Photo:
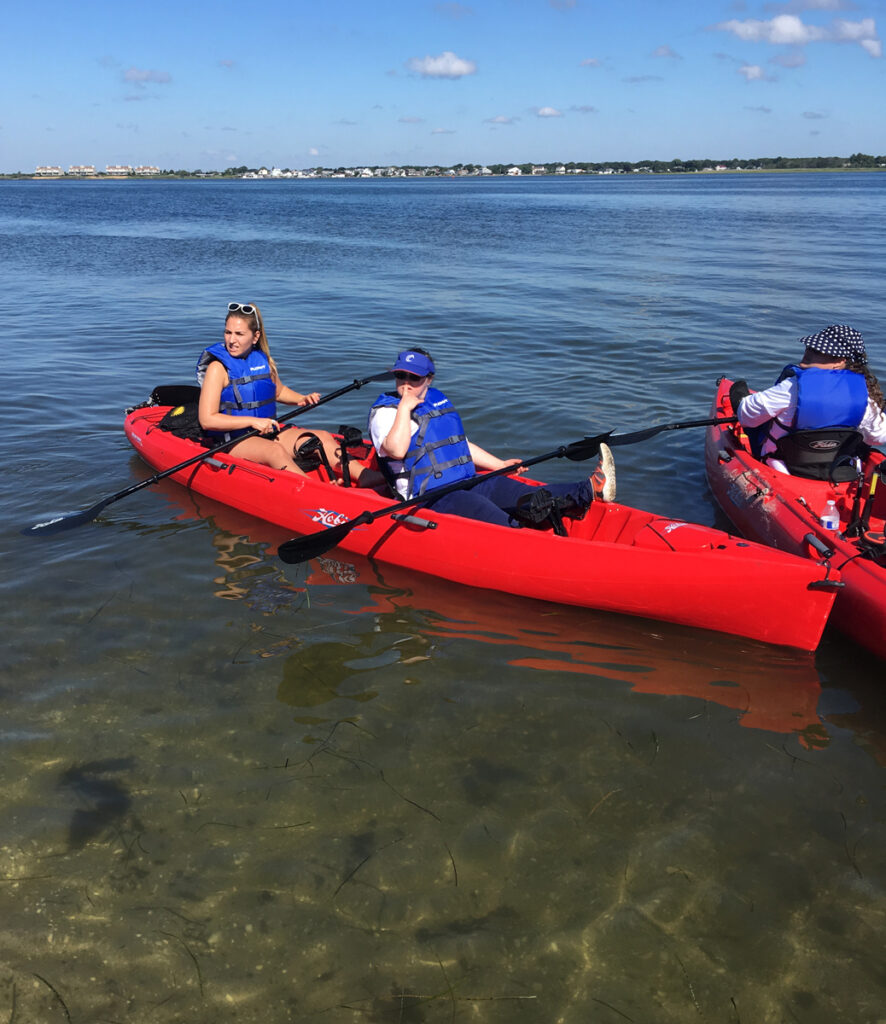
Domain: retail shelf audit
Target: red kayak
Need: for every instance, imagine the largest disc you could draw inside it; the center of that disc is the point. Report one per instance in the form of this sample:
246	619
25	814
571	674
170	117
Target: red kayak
784	511
616	559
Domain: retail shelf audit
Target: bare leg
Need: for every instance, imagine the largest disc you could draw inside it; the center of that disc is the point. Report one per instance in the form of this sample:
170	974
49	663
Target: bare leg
266	452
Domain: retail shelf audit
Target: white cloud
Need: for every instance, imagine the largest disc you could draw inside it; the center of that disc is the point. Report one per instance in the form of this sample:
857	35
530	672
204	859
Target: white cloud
442	131
789	30
590	62
548	112
501	119
446	65
313	151
752	72
666	51
785	29
141	77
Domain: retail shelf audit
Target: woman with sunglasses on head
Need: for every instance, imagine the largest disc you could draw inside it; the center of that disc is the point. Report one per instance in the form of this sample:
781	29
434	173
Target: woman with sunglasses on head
422	445
239	391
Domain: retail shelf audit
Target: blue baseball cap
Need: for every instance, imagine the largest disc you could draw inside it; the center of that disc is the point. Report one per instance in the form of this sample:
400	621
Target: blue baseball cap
410	361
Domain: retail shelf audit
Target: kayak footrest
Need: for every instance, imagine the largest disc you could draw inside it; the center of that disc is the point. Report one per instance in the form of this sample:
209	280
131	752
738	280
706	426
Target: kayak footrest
403	517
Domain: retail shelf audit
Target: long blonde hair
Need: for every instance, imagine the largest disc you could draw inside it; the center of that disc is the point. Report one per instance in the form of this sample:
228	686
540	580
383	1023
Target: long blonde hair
256	324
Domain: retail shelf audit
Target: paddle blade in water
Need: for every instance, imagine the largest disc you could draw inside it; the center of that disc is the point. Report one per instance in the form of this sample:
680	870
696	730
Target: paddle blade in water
303	549
65	522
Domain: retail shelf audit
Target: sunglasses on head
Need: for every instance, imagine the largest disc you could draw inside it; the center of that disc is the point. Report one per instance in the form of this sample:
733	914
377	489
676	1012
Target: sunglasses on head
407	378
239	307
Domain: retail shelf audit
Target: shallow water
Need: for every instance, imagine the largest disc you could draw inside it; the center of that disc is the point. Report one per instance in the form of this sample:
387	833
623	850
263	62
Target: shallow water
239	790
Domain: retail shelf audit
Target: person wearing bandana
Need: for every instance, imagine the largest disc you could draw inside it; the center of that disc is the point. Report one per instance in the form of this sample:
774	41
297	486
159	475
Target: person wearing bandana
831	388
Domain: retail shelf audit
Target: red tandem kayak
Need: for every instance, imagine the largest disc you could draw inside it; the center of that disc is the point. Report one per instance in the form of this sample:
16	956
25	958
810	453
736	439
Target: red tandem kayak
784	511
616	559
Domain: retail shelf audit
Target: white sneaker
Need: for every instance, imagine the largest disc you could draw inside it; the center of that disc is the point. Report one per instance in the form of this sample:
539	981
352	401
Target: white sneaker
603	477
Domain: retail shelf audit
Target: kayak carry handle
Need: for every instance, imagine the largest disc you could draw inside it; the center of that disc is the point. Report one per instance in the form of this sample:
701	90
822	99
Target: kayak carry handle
819	545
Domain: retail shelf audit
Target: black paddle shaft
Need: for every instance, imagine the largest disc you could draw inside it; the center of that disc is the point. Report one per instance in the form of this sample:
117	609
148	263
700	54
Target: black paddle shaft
614	440
69	520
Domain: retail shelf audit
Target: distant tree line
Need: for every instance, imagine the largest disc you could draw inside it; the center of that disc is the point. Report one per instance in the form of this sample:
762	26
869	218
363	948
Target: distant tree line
677	166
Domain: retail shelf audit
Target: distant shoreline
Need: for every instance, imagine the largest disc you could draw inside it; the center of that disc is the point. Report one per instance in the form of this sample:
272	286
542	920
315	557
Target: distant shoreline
437	176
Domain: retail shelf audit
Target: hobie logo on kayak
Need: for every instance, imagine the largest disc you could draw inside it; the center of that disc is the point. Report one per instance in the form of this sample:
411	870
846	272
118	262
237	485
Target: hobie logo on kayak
824	445
325	517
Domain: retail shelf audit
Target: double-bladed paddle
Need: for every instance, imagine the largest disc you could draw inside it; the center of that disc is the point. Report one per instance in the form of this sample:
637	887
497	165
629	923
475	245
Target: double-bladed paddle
71	519
301	549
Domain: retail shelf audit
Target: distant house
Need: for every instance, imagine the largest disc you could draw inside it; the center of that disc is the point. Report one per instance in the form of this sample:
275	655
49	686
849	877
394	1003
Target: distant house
539	169
367	172
118	170
46	171
561	169
514	172
145	170
485	171
81	170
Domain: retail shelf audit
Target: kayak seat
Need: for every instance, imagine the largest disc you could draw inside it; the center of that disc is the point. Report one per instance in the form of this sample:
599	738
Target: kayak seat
821	454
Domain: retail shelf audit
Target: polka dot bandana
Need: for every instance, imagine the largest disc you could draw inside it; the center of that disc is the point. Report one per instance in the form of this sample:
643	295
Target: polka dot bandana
838	341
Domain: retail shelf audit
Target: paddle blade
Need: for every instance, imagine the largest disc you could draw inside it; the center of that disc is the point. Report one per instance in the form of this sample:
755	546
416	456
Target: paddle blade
303	549
579	451
68	521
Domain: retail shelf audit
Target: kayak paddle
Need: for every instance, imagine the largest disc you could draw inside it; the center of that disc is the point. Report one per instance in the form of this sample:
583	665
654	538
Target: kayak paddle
71	519
301	549
642	435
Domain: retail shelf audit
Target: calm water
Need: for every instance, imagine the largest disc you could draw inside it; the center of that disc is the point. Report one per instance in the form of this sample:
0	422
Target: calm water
235	790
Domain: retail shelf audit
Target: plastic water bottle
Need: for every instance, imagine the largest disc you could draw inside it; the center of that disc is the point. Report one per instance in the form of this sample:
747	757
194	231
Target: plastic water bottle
830	518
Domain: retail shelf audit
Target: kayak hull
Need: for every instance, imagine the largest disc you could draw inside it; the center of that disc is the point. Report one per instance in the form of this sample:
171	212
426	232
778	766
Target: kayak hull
782	511
617	558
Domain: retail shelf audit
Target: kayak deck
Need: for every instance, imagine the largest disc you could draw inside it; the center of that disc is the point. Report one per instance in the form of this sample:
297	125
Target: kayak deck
616	558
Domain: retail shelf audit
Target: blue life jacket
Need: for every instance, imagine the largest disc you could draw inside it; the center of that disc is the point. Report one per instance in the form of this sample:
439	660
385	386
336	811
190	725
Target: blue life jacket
438	452
827	398
250	391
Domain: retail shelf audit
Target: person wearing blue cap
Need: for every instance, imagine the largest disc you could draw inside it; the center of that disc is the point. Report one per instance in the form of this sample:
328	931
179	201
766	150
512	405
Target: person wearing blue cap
831	388
421	445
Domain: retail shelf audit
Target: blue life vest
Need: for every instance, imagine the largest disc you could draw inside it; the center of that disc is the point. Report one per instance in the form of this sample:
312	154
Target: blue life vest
250	391
438	452
827	398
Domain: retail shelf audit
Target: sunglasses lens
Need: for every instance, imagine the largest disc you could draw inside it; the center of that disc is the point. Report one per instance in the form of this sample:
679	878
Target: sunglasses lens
238	307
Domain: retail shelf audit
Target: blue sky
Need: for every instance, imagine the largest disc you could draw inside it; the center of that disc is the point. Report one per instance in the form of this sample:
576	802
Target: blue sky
197	84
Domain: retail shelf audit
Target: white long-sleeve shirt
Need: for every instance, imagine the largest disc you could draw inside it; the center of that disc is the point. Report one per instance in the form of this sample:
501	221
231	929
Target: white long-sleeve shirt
779	403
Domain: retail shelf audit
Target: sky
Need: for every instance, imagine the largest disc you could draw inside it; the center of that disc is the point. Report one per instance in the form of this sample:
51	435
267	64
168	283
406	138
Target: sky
195	84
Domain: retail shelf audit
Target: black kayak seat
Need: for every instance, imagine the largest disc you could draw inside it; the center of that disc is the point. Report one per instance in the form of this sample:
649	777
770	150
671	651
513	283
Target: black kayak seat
823	454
